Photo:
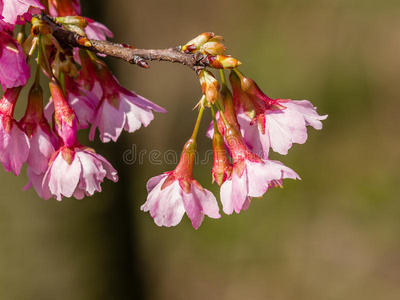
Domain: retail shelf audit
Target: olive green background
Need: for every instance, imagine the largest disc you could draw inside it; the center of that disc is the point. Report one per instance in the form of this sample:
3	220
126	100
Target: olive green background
333	235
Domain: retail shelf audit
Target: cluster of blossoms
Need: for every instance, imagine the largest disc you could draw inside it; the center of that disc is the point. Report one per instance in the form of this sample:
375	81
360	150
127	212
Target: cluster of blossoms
45	138
246	124
84	93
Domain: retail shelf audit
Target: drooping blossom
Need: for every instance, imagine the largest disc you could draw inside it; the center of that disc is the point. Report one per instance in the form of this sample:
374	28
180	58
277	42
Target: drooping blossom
119	109
266	122
176	192
14	144
41	138
16	11
76	171
251	175
14	70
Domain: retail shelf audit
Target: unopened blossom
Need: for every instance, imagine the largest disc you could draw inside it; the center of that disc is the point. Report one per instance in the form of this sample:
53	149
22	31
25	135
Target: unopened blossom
266	122
120	109
14	70
82	101
65	118
176	192
14	144
222	167
76	171
251	175
16	11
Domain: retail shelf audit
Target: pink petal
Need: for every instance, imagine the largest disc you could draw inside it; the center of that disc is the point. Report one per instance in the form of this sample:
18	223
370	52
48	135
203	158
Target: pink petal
257	142
207	201
258	181
239	190
226	197
16	152
111	173
97	31
308	111
92	173
36	181
135	114
40	152
13	9
62	178
110	122
165	206
14	70
285	128
83	107
151	184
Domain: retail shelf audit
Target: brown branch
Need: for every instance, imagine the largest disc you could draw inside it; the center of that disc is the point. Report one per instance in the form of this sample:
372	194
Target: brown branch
66	38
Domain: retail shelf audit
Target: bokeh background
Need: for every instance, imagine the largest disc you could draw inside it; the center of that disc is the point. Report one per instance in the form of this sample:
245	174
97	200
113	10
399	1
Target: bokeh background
333	235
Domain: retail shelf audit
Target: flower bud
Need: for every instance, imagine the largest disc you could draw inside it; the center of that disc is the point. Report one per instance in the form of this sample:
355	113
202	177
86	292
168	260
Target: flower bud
197	42
222	168
223	62
213	46
65	118
229	108
209	86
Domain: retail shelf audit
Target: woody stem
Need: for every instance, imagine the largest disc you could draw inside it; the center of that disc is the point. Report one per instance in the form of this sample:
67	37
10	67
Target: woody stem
195	61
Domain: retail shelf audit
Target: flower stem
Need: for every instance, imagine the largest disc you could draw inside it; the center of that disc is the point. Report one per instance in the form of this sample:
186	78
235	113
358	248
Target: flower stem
223	78
39	60
214	118
198	121
46	60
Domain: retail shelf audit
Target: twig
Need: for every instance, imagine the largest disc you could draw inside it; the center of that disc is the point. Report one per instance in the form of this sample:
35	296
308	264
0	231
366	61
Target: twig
195	61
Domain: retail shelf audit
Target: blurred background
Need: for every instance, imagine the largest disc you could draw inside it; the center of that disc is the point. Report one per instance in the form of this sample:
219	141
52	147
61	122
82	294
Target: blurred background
333	235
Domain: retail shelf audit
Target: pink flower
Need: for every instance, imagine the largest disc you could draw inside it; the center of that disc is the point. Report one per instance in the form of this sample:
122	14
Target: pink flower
41	138
14	70
76	171
174	193
14	144
265	122
65	118
36	127
251	176
97	31
120	109
15	11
